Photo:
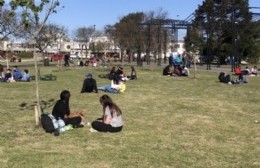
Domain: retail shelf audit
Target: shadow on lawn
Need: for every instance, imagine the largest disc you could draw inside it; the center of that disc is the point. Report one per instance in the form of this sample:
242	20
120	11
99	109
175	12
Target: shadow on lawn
44	105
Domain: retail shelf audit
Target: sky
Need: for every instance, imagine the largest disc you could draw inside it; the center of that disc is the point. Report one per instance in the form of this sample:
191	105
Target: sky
85	13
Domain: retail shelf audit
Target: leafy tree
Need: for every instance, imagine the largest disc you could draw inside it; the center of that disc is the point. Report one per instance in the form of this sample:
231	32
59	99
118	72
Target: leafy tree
253	48
128	33
223	24
138	32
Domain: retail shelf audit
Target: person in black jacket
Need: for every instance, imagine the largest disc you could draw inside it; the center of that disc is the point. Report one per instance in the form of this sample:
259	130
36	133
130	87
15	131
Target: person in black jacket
224	78
61	110
66	60
167	70
89	84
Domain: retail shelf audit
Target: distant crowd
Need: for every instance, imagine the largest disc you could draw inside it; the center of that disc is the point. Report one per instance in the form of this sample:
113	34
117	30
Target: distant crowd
240	76
14	75
178	65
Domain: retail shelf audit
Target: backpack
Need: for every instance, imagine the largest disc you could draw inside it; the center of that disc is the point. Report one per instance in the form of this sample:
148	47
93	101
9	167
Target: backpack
49	123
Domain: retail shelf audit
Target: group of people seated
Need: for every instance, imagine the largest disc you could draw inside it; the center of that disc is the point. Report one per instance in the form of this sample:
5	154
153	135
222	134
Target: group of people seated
117	78
173	70
223	78
119	71
253	72
110	121
241	76
89	62
14	75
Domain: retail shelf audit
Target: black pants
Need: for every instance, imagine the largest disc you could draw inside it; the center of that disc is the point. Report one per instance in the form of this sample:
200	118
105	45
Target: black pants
66	63
227	79
74	121
102	127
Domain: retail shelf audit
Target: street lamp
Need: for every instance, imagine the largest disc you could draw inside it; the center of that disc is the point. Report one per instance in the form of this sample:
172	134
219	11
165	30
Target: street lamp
93	35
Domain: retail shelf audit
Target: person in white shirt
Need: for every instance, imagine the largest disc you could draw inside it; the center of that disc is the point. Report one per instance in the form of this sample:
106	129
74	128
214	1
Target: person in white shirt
254	71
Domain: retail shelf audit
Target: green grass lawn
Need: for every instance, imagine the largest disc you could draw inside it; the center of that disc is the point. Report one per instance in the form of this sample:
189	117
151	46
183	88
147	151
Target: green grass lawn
169	122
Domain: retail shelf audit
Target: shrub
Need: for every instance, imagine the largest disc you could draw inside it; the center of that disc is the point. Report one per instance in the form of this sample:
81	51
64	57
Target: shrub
25	54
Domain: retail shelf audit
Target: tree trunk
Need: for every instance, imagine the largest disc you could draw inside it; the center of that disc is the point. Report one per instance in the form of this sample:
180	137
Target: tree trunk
195	67
38	106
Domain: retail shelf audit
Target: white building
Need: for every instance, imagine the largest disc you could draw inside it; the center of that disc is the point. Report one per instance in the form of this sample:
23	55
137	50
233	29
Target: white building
79	49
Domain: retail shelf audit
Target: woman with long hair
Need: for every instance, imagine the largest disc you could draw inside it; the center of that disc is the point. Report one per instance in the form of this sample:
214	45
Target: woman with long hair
112	117
61	110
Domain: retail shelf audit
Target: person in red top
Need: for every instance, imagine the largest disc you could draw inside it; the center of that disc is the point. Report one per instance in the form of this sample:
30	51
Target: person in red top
238	70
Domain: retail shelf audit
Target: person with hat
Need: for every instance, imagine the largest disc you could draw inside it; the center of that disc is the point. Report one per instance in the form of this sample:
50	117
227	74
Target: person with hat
89	84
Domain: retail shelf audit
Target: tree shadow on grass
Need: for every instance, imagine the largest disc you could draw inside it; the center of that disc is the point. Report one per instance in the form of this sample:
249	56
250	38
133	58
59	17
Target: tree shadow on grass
44	105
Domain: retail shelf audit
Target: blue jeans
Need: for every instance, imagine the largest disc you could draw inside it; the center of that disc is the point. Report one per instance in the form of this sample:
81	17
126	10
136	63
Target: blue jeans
107	88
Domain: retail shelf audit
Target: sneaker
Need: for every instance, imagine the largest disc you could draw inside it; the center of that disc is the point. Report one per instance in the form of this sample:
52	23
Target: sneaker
82	123
92	130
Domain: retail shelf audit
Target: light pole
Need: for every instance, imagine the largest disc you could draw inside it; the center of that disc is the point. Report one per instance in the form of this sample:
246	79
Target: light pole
93	35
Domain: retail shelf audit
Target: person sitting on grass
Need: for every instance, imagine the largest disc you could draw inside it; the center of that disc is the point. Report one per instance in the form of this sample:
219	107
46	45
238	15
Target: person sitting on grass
17	75
133	75
167	71
61	110
176	71
185	71
117	86
111	75
224	78
111	120
254	71
26	76
8	76
89	84
227	79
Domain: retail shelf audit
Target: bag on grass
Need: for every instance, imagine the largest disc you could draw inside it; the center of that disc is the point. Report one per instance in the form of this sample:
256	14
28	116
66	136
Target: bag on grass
49	123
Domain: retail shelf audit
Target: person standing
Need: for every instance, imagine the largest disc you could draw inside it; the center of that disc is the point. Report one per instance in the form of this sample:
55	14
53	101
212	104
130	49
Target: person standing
89	84
66	60
112	117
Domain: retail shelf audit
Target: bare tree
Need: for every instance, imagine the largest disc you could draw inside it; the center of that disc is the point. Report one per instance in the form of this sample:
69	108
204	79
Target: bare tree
35	13
83	35
9	24
9	27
